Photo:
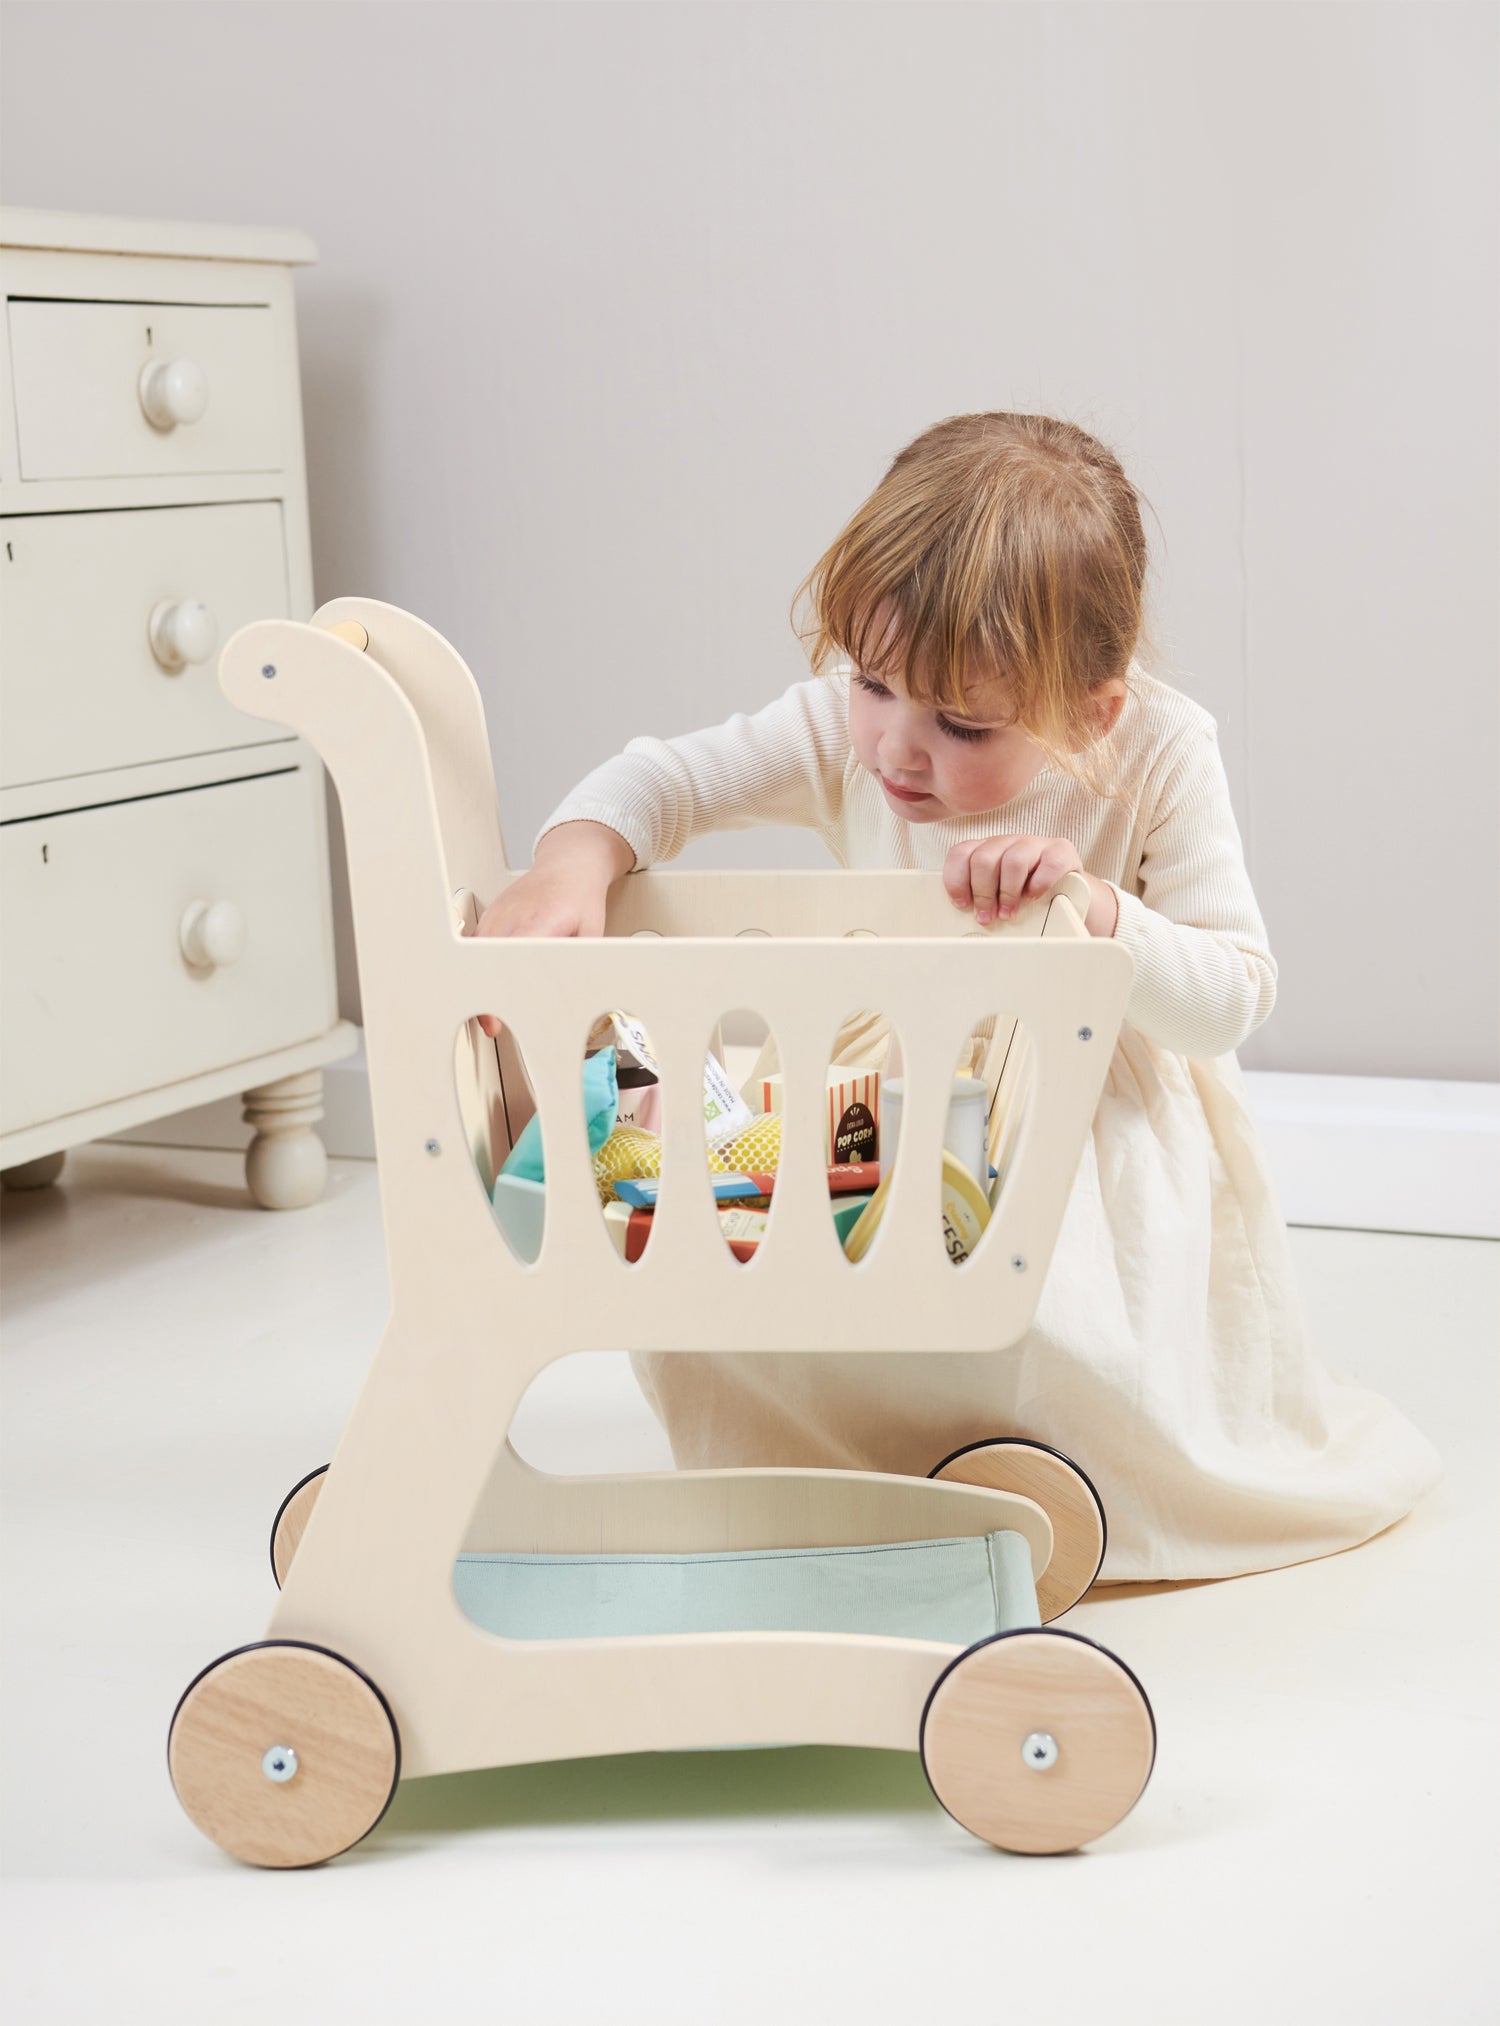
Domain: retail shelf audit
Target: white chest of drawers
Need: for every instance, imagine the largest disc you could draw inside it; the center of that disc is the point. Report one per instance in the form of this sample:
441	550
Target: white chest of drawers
165	918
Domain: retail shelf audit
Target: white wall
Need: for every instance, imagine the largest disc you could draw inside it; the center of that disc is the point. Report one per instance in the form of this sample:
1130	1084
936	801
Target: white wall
622	309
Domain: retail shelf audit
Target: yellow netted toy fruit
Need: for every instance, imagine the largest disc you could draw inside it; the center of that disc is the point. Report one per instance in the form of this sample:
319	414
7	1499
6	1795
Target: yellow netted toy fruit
631	1154
757	1150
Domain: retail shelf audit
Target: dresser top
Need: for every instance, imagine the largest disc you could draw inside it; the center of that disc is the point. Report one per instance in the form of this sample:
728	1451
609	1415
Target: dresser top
83	232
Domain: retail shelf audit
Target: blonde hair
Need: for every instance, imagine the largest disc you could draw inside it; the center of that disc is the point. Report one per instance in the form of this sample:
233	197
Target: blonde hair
996	546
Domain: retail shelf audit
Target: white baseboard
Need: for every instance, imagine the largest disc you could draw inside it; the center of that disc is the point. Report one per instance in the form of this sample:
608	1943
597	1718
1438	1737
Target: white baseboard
1375	1153
1359	1153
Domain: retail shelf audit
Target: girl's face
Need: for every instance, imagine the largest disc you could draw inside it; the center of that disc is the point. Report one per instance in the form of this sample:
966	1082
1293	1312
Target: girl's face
934	764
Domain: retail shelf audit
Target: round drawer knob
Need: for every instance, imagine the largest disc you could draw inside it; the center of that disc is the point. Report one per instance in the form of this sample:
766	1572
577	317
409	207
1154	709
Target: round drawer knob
181	632
173	391
211	933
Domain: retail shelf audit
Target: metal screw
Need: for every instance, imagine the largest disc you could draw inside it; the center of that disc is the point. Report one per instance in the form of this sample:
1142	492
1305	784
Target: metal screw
1040	1751
1018	1263
433	1147
279	1764
1085	1034
269	669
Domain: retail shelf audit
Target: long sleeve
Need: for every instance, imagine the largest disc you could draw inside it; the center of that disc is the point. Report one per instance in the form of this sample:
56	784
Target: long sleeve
1204	975
785	764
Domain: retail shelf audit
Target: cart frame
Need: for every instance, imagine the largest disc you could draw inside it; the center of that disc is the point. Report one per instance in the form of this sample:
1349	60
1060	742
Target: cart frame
423	1469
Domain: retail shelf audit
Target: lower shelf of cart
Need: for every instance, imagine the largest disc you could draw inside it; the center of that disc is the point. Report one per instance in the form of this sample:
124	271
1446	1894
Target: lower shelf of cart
955	1591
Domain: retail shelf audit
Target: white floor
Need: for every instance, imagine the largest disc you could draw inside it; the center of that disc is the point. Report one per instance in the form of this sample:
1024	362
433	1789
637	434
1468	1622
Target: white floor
1317	1843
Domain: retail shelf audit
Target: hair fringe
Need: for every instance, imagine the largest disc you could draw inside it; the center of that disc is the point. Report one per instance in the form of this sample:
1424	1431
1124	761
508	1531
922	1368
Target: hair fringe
996	547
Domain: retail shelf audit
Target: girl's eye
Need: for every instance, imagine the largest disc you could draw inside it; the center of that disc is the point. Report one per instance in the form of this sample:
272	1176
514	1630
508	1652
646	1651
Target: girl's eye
874	688
970	734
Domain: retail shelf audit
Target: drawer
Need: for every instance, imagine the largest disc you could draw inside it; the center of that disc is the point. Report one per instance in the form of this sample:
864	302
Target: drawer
79	404
98	1000
81	689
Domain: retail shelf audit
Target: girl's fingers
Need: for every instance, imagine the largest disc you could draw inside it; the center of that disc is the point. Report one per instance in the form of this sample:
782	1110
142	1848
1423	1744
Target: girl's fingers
998	873
956	875
1015	871
1051	863
986	875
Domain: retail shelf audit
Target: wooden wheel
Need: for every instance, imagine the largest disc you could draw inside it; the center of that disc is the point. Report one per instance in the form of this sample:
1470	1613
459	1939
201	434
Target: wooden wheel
284	1754
1037	1741
1060	1488
291	1520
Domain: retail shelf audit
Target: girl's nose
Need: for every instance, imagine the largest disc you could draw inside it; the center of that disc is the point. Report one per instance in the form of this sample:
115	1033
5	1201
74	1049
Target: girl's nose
901	750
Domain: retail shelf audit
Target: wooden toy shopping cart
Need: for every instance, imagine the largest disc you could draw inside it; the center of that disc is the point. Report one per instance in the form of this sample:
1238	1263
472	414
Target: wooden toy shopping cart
444	1605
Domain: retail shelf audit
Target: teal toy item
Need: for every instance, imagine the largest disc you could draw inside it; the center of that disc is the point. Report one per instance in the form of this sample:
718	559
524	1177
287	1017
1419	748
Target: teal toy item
601	1101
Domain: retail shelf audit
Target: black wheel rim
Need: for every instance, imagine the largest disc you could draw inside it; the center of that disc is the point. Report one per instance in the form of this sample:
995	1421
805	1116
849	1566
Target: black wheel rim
321	1471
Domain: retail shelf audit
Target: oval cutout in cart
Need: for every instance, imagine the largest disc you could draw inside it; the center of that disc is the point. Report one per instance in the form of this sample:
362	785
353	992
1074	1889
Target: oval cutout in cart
498	1108
629	1165
742	1139
619	1130
988	1096
496	1103
627	1156
861	1054
1002	1057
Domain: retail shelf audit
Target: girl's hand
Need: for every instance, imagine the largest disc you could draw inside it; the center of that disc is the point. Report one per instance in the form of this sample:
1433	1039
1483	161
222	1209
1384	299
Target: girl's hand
563	894
997	874
547	901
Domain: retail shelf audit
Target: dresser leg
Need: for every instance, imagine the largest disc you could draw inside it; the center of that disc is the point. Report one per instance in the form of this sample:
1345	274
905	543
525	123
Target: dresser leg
286	1165
37	1174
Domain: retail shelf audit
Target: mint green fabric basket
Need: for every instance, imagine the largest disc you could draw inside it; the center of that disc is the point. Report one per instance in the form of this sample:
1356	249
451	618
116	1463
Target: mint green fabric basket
953	1591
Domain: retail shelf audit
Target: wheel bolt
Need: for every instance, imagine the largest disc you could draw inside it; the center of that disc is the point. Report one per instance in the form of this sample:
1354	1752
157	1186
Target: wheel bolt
1040	1751
279	1764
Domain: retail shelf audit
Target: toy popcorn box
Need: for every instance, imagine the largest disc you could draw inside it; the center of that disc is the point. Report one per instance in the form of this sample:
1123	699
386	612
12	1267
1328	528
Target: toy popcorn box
851	1116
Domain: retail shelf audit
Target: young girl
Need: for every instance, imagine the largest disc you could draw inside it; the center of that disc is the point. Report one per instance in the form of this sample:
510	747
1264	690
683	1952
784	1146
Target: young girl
976	709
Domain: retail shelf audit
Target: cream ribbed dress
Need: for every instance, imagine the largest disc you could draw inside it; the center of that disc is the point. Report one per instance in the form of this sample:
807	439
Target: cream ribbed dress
1169	1353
